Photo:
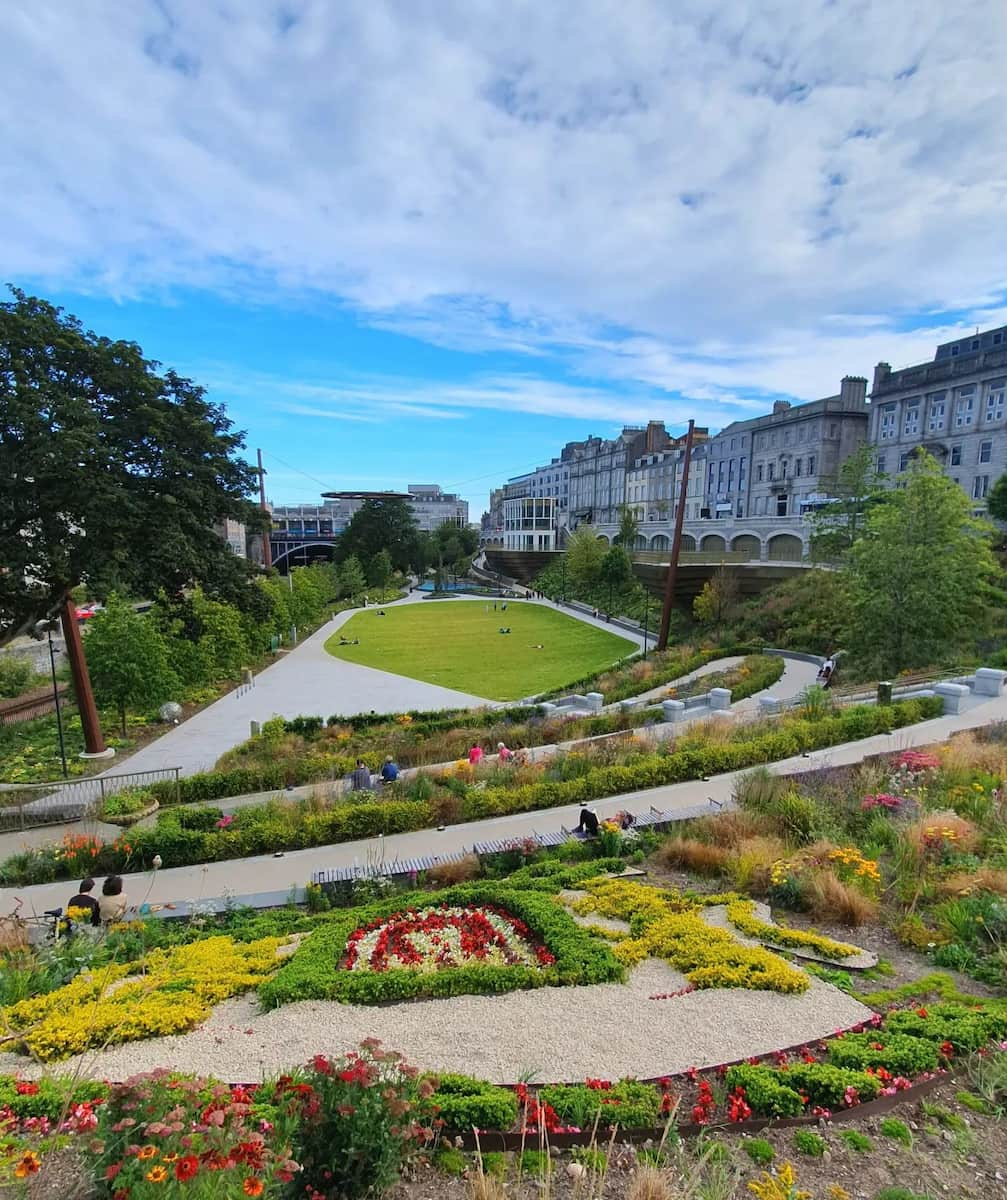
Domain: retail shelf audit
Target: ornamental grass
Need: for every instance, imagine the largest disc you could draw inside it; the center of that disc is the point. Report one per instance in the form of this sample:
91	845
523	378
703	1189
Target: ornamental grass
701	858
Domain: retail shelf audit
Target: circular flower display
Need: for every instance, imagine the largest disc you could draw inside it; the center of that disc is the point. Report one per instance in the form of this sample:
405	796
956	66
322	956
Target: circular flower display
436	939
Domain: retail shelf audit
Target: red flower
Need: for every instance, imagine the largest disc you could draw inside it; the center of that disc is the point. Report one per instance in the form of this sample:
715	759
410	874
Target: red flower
186	1167
25	1087
252	1186
112	1171
947	1050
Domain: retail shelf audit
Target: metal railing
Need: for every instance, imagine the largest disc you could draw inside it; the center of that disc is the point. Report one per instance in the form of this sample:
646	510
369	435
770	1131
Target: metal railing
29	805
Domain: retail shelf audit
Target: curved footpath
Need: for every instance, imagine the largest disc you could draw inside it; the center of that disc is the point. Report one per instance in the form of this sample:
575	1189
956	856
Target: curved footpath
253	876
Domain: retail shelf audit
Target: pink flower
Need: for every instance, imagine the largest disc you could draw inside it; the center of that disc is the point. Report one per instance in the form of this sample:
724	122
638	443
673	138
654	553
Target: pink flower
225	821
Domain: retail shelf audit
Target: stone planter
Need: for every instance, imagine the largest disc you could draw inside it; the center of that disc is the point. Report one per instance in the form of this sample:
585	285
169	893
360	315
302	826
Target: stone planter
128	819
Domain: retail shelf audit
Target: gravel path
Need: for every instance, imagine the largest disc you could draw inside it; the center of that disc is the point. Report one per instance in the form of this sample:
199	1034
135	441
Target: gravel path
550	1034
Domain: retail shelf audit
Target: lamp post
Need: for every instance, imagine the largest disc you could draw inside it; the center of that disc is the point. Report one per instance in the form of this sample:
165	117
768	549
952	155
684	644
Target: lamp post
47	625
646	614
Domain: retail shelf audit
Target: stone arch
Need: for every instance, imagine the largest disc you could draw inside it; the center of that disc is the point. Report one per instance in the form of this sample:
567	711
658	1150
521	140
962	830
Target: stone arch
747	543
640	542
661	541
713	543
688	542
785	547
300	554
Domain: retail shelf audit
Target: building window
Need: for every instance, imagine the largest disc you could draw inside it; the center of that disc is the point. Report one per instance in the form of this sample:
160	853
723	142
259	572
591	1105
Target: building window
912	423
997	338
758	473
772	472
964	404
904	460
994	401
879	464
781	505
811	464
956	455
833	430
985	451
937	407
980	487
888	422
797	467
975	344
955	351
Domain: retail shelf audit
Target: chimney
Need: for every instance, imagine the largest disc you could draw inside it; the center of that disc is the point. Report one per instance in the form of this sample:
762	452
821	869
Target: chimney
780	406
657	436
881	373
853	391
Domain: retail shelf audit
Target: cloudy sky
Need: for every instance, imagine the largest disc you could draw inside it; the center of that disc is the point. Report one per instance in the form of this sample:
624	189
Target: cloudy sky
431	240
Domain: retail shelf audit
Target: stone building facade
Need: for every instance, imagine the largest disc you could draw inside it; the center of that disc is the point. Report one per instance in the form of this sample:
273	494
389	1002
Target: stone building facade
955	407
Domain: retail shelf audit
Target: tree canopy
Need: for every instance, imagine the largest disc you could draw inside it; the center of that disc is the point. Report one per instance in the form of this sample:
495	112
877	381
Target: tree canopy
381	524
920	574
112	471
629	527
584	555
855	488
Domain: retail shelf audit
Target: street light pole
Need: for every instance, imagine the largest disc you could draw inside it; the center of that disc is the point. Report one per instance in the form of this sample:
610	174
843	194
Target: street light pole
646	614
55	700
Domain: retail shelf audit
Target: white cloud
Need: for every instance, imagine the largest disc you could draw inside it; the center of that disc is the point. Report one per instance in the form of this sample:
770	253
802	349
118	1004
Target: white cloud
709	199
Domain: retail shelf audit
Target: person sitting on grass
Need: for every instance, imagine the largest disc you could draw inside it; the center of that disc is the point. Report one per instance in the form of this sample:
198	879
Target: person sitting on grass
390	771
112	905
85	902
588	822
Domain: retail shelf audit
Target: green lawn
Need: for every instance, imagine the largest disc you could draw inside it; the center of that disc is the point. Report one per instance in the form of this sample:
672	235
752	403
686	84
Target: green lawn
457	644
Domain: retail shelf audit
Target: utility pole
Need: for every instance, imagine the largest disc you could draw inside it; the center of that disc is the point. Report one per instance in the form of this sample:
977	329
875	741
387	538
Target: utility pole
646	617
676	547
94	741
267	550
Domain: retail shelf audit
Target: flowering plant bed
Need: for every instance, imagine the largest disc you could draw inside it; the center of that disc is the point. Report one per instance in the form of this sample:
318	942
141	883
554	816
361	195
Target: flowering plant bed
437	939
476	938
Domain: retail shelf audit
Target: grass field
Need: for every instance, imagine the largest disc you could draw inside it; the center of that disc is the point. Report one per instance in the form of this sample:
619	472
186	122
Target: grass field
457	644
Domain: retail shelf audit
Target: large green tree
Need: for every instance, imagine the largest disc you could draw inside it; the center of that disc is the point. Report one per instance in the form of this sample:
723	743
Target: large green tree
381	524
920	575
714	604
584	555
128	660
855	489
112	471
629	527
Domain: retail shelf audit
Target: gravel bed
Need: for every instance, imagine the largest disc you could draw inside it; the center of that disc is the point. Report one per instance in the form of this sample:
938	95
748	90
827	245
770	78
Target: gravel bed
549	1034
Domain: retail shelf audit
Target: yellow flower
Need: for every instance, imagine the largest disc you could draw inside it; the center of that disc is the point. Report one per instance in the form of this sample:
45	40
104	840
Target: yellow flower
157	1174
147	1152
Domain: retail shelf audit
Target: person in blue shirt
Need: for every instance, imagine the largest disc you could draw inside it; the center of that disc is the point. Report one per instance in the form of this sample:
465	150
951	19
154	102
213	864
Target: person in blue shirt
390	771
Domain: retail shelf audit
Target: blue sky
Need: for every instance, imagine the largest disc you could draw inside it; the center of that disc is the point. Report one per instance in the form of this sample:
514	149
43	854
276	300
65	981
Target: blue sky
430	243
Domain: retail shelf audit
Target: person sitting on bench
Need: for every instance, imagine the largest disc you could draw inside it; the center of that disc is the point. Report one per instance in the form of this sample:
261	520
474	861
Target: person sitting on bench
588	822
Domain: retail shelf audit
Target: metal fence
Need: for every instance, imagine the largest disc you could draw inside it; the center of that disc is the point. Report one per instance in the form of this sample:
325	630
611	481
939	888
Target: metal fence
28	805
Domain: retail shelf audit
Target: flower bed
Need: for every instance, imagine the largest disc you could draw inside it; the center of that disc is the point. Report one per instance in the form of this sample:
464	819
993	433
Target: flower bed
438	939
175	992
512	940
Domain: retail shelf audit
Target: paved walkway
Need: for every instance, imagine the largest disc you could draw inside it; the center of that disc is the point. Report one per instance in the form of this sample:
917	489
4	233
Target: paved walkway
249	876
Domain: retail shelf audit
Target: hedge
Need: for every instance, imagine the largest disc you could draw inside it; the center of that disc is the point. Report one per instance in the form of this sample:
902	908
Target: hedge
312	972
899	1053
265	829
464	1102
627	1103
765	1090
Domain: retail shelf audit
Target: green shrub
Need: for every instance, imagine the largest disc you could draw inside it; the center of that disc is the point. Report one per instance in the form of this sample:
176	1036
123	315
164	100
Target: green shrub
900	1053
493	1162
898	1131
464	1102
966	1028
810	1143
533	1162
759	1151
53	1099
628	1104
200	819
354	1142
16	676
449	1160
826	1085
767	1091
856	1140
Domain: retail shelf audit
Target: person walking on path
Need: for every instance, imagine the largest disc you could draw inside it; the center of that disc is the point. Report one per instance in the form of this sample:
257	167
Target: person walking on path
475	754
503	754
390	771
360	779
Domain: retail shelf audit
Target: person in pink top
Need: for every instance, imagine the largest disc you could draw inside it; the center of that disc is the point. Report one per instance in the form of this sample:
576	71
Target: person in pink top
503	753
475	754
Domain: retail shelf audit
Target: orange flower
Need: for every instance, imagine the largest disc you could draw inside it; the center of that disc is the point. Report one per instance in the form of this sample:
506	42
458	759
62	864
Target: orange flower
252	1186
147	1152
157	1174
29	1164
